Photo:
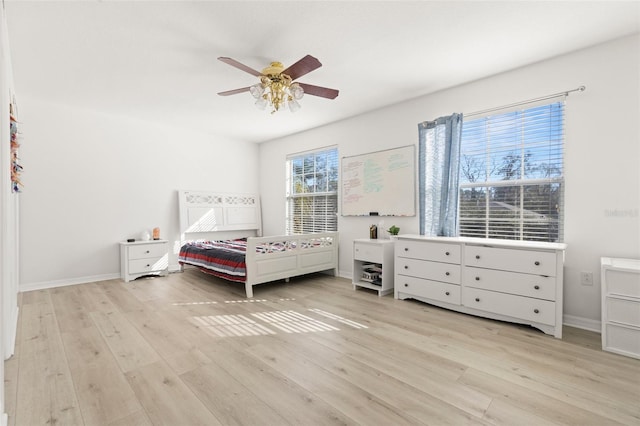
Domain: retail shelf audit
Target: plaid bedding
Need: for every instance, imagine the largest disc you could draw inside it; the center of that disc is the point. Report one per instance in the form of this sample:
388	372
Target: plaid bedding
224	259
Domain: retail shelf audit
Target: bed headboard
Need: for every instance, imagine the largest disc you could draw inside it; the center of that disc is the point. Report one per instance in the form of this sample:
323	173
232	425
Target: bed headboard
203	212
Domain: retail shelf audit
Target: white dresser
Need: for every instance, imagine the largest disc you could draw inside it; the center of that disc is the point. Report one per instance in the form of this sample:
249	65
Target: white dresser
620	283
516	281
142	258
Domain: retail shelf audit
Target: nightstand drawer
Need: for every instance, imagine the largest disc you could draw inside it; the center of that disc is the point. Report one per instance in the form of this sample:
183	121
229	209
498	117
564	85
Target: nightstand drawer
370	252
137	266
147	251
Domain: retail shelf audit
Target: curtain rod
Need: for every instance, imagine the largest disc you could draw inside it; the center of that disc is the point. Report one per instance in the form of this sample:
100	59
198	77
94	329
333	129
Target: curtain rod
543	98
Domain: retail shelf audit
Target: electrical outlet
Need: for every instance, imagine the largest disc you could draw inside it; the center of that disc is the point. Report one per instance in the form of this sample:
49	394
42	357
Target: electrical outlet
586	278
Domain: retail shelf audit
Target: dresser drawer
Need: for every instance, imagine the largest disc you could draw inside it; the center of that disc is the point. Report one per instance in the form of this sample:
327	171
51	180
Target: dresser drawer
525	261
625	283
538	286
623	311
526	308
412	286
425	250
622	339
137	266
446	272
147	251
370	252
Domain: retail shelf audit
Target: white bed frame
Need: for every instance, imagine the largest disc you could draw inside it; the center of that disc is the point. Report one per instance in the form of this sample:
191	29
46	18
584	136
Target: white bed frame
206	215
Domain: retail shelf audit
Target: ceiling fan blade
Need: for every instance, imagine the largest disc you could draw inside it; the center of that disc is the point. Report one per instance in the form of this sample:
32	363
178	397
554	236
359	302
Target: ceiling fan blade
323	92
234	91
302	67
240	66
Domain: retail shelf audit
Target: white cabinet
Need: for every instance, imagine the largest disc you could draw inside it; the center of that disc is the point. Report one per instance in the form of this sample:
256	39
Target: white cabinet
506	280
620	282
141	258
373	265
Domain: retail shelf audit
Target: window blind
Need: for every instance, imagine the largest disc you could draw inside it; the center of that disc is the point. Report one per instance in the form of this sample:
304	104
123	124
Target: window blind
511	175
312	192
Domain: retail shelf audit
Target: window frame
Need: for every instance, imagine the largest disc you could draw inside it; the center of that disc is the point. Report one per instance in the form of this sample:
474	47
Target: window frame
490	183
327	197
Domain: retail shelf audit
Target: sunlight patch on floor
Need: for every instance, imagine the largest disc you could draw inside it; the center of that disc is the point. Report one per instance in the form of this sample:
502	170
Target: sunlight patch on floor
338	318
266	323
293	322
229	302
230	325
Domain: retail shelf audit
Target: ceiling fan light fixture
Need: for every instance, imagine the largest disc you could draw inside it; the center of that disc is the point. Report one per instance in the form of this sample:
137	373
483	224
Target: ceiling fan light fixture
256	90
296	91
277	88
261	103
294	105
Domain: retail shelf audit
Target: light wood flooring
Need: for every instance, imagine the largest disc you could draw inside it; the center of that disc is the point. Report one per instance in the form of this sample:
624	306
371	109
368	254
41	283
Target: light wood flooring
189	349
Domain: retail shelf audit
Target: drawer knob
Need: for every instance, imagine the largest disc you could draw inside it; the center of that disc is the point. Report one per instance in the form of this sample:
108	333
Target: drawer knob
477	256
537	311
477	278
446	253
536	263
406	267
406	285
148	265
147	252
537	287
446	293
406	249
477	299
447	274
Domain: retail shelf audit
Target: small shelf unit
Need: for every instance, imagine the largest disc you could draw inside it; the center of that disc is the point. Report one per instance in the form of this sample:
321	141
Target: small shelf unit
373	265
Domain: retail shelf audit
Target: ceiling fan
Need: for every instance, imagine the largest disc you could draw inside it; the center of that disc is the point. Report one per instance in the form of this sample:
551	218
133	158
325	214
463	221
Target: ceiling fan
277	86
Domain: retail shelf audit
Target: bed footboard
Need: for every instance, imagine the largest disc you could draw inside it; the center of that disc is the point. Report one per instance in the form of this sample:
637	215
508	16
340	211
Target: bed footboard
284	256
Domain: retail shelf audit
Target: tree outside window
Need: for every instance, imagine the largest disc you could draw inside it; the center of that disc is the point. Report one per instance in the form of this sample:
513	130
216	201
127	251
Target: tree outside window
312	192
511	175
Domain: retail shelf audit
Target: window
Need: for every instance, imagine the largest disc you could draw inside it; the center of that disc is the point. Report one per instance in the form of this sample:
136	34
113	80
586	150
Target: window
312	192
511	175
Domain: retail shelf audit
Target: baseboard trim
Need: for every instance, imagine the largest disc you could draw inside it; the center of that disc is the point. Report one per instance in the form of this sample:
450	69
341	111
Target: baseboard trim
44	285
10	341
582	323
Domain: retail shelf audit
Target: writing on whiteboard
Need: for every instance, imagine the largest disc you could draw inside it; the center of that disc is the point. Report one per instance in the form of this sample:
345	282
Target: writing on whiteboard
380	181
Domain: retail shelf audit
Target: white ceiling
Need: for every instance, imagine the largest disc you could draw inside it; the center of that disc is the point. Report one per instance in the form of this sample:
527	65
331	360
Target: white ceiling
156	60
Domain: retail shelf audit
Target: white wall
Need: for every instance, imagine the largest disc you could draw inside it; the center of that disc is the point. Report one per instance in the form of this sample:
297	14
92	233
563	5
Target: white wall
92	180
8	218
602	164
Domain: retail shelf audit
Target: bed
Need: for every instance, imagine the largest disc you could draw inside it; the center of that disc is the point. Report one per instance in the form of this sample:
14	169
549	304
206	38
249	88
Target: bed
221	235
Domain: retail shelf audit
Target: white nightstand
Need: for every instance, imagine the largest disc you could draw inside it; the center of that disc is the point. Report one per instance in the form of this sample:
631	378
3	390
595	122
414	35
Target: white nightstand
373	265
141	258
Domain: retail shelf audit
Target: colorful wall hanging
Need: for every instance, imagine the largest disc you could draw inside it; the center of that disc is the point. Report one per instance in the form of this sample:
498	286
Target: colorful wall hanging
16	168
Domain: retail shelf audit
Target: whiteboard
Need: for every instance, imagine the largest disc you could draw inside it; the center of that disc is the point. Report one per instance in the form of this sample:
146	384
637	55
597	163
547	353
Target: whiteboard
381	183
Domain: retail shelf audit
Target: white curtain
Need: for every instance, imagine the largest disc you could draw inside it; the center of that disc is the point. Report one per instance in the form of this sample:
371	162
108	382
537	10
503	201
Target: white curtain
439	160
